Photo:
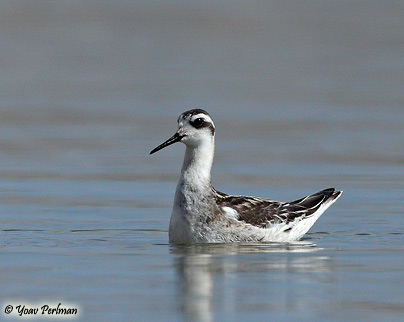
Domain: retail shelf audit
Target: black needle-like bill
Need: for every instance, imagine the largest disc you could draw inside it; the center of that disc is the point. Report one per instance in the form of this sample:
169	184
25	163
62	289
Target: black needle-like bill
175	138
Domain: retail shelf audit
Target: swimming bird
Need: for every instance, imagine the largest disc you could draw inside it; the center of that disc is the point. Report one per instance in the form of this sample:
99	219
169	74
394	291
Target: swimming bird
201	214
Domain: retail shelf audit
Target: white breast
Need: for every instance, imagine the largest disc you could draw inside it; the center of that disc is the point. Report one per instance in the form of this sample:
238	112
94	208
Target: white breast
179	229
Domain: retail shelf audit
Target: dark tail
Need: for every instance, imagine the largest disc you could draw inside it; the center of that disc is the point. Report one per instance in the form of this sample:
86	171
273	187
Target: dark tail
316	199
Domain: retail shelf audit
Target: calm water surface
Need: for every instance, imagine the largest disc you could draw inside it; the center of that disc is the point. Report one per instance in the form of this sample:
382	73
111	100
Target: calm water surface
304	97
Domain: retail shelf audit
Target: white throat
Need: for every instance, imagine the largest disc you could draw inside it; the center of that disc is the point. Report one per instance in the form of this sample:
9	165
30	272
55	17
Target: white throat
198	164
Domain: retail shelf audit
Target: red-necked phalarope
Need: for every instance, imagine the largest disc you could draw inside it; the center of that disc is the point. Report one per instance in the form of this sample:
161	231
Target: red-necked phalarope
203	215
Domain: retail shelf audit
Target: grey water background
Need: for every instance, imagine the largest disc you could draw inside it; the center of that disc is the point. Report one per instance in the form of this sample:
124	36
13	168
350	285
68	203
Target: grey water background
304	95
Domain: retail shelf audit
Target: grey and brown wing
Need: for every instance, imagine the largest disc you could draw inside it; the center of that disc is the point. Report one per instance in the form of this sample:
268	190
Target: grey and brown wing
262	212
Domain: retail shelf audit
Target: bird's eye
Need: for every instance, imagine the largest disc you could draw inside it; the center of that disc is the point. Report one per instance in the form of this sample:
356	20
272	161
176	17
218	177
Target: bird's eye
197	123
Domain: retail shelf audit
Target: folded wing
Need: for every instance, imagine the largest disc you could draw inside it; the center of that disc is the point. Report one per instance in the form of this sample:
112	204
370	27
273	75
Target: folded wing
263	213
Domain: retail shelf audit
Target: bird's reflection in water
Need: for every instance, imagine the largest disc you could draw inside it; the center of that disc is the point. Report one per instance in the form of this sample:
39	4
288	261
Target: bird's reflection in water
198	266
196	286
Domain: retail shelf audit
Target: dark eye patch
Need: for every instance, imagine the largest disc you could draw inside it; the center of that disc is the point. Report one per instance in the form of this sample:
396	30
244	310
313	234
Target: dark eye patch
201	122
198	123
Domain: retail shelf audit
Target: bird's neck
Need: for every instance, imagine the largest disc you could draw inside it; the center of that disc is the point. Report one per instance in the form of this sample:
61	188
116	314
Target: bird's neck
197	164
